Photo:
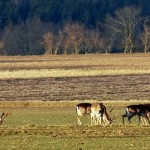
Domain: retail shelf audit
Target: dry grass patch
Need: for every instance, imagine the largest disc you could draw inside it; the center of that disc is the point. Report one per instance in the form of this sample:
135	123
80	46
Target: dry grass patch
64	104
68	73
73	65
118	61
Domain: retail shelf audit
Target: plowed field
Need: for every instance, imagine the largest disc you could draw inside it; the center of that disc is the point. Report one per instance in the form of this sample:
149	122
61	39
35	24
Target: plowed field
75	77
121	87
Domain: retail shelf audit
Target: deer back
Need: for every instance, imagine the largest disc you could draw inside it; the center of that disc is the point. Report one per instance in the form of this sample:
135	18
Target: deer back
83	108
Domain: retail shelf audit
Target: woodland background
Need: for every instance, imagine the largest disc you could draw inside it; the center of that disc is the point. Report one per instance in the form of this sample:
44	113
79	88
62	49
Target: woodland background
35	27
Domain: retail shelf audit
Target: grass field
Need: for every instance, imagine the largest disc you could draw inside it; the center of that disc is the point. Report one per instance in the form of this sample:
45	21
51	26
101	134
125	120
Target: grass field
41	93
53	125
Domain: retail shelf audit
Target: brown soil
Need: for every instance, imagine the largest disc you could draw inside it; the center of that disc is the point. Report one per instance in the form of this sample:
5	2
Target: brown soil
77	88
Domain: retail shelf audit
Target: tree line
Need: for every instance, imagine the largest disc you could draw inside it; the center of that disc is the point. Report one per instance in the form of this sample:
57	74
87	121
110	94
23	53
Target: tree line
74	26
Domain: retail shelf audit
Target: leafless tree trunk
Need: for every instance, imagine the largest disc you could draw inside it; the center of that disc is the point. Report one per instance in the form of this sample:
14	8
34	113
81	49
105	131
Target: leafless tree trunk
121	28
74	33
48	39
146	38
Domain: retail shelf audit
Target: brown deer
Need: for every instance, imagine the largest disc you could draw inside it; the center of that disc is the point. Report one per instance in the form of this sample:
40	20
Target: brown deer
99	114
140	110
83	109
97	111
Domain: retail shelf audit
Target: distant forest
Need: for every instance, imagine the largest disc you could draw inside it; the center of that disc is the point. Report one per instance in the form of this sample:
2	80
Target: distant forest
36	27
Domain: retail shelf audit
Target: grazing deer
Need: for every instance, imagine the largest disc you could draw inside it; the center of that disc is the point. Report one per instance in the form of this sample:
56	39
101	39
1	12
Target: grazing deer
99	114
81	110
2	117
141	110
97	111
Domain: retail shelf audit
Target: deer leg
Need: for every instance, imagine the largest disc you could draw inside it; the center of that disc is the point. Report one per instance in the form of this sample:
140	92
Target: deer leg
147	119
130	115
144	120
96	120
100	120
79	120
139	118
92	120
129	119
123	116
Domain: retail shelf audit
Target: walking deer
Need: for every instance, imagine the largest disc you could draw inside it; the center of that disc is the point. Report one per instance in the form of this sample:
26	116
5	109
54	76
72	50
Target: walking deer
140	110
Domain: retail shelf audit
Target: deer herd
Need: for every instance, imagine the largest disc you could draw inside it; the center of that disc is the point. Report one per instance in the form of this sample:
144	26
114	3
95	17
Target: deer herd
99	114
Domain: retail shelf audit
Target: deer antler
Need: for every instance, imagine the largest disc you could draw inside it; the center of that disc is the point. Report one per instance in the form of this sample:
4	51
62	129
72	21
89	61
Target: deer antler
114	117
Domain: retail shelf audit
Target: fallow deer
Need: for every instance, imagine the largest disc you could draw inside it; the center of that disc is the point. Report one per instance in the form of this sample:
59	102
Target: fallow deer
96	110
96	113
99	114
83	109
140	110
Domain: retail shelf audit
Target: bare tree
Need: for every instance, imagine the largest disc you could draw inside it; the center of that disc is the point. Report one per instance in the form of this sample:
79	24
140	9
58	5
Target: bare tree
146	38
74	36
121	27
58	38
66	43
86	44
48	39
97	40
106	45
